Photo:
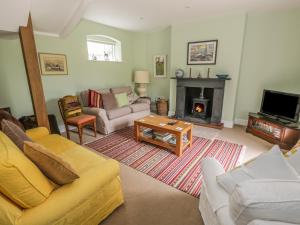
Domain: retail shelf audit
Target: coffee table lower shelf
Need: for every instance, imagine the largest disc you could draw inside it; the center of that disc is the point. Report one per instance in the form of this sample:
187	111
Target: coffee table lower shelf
163	144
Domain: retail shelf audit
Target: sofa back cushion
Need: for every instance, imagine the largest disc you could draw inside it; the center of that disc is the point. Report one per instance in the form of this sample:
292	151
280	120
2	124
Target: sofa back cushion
119	90
109	101
55	168
269	165
20	180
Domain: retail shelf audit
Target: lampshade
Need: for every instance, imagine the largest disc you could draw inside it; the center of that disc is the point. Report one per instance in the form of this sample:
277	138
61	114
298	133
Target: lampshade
141	77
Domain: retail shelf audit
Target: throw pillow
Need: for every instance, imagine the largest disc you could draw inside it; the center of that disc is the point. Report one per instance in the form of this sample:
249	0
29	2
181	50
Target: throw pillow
95	99
20	180
55	168
132	97
4	115
109	101
15	133
71	106
270	165
122	99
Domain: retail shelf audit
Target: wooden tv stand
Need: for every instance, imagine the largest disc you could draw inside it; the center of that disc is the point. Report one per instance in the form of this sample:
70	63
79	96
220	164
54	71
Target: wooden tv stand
274	131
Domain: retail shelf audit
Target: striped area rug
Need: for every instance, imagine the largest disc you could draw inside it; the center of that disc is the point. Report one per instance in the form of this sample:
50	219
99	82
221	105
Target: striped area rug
183	173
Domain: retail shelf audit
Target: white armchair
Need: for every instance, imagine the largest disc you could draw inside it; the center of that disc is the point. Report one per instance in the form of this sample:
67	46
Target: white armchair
248	204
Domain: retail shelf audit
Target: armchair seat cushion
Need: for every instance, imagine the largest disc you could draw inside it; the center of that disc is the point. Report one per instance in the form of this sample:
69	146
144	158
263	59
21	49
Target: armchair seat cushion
137	107
118	112
81	119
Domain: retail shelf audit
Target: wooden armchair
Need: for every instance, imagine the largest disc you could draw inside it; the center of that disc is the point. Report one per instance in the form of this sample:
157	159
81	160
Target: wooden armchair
71	112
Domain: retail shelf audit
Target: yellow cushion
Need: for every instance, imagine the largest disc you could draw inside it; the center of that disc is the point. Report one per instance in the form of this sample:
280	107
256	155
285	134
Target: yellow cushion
20	179
54	167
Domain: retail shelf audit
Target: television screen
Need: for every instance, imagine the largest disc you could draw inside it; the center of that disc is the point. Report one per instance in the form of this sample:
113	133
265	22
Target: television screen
280	104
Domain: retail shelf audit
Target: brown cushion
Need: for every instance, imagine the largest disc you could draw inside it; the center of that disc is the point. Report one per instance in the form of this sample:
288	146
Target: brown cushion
138	107
119	90
55	168
109	101
15	133
118	112
6	116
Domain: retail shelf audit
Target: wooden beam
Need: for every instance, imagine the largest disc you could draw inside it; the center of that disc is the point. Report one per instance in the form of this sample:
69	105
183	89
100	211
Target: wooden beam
33	74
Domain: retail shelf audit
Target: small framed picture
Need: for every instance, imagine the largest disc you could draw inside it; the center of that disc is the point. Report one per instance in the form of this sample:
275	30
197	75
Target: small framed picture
53	64
160	66
202	52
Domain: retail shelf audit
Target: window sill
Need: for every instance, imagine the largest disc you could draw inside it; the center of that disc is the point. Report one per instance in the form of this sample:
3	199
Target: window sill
104	61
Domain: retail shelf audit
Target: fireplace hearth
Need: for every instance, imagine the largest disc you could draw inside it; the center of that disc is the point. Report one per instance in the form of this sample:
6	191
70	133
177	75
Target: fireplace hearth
200	100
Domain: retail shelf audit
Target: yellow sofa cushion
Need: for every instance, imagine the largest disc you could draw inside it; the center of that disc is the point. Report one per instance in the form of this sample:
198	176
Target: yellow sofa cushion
20	179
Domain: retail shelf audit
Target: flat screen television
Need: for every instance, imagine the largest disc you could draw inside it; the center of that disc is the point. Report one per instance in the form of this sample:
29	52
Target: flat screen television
281	105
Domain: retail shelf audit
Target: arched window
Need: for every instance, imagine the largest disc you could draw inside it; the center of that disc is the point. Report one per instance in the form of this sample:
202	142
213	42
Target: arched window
104	48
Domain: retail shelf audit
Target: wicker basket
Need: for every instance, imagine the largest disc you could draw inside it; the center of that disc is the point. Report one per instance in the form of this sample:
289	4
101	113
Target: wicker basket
162	107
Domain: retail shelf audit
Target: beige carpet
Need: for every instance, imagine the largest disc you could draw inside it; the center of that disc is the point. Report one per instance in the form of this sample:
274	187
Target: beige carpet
150	202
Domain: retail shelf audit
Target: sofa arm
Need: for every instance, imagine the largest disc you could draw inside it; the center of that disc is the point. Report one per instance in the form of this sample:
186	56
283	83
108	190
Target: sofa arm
37	133
143	100
266	199
9	212
101	117
216	195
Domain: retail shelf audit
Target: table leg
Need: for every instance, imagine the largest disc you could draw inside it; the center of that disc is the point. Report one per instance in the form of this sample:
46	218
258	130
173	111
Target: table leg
179	144
136	132
190	137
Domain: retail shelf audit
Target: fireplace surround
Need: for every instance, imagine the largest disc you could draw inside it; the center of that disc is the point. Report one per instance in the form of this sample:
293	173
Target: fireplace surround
200	100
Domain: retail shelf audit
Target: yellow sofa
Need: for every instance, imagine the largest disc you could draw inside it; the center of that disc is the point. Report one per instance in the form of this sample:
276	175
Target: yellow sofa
86	201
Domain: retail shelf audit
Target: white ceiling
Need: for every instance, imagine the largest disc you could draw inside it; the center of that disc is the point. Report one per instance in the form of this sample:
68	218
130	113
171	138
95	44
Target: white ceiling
59	17
144	15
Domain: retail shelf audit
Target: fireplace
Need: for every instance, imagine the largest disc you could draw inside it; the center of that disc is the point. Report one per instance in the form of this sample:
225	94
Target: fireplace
200	100
199	106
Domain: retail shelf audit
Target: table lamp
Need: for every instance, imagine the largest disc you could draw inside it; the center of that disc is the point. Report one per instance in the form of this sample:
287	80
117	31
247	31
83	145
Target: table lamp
141	78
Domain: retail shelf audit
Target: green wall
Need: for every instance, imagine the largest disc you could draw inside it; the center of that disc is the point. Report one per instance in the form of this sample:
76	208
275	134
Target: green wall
271	58
147	45
83	74
258	50
229	31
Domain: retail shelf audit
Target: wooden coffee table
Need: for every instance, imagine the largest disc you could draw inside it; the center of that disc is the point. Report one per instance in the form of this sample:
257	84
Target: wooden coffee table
160	124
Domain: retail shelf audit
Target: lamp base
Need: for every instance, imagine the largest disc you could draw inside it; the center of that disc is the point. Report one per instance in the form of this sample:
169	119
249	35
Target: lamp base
141	89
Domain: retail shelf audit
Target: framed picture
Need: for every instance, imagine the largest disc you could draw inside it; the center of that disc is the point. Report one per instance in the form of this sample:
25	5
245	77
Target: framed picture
53	64
202	52
160	66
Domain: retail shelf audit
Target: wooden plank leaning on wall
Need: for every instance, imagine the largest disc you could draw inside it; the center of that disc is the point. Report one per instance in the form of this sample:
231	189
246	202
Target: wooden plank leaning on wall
33	74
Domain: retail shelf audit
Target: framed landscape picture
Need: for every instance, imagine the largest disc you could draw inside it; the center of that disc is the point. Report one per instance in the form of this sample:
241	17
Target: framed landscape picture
53	64
202	52
160	66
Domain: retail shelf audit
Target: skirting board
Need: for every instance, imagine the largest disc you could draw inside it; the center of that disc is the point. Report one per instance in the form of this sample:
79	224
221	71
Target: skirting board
241	122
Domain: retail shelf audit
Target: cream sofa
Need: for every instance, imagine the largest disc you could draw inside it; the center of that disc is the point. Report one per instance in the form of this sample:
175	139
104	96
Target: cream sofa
115	119
216	205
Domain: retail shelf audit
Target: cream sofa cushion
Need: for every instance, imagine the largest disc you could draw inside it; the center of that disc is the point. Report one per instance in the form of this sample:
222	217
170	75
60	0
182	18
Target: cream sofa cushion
270	165
266	199
20	179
